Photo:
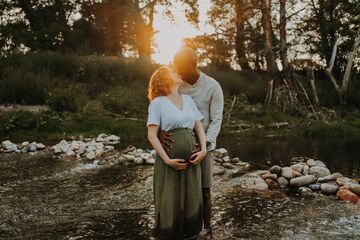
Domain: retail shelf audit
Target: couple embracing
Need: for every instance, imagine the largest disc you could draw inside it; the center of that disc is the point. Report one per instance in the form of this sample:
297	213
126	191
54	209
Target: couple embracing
185	115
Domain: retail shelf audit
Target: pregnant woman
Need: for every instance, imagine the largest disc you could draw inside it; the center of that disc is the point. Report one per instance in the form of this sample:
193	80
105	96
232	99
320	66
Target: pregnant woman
177	174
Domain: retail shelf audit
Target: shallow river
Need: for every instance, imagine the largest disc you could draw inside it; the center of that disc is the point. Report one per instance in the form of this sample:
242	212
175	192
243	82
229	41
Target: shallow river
42	197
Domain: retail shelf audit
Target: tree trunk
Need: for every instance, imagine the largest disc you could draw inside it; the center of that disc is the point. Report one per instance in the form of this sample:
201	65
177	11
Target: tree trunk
266	23
241	16
283	44
311	77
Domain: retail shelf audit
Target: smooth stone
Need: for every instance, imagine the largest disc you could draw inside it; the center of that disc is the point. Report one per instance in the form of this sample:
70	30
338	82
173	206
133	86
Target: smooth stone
320	164
138	160
242	166
57	149
355	188
9	146
319	171
228	165
220	153
226	159
40	146
311	162
129	157
287	172
150	161
139	150
250	181
302	181
24	144
306	170
98	153
298	167
145	156
329	188
64	146
344	181
315	186
271	184
347	195
283	182
218	170
337	175
269	176
305	191
297	174
276	169
235	160
326	179
113	138
90	155
70	153
153	152
31	147
109	148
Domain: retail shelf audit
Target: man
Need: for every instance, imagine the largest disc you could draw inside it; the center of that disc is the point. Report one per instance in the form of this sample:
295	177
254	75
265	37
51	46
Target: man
208	96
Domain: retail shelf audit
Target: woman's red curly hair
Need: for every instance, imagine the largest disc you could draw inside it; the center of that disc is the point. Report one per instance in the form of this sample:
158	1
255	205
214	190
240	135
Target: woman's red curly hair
160	83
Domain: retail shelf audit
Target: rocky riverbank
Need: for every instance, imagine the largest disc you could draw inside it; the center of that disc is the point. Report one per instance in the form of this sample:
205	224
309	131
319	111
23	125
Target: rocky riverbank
307	176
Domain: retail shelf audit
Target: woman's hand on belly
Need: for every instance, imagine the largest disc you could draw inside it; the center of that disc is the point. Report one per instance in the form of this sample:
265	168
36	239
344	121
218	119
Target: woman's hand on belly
177	164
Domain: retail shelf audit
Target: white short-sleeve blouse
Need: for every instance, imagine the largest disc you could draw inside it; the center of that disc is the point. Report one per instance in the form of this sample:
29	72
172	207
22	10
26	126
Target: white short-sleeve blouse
168	116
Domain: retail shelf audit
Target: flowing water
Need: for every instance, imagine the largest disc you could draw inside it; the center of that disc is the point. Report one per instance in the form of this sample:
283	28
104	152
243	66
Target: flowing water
43	197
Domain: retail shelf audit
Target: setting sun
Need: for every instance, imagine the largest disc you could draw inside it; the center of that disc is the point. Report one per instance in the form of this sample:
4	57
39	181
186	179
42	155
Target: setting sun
171	32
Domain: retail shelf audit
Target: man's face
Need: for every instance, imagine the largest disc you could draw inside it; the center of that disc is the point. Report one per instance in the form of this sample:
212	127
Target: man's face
186	72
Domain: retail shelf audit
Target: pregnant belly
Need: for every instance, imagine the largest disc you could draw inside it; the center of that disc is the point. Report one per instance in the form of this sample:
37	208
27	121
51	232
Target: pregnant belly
183	146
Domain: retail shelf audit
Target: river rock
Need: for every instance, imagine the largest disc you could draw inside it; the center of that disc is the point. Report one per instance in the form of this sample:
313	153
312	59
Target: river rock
302	181
283	182
9	146
305	191
218	170
98	153
31	147
150	161
272	184
337	175
329	188
40	146
287	172
345	181
138	160
226	159
129	157
109	149
90	155
250	181
70	153
319	171
320	164
306	170
243	166
145	156
276	169
325	179
63	146
228	165
315	186
355	188
271	176
220	153
113	138
311	162
235	160
24	144
298	167
347	195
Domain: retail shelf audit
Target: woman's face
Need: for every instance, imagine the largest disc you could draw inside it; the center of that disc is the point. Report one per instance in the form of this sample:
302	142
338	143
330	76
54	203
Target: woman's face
175	76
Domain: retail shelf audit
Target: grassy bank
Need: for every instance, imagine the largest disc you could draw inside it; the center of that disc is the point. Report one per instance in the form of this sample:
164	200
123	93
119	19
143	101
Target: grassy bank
92	94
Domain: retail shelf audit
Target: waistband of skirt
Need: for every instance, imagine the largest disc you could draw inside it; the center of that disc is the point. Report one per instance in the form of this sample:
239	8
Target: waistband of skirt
176	130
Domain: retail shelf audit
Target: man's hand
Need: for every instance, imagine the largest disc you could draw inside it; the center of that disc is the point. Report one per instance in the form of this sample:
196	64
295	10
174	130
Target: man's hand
165	140
197	157
177	164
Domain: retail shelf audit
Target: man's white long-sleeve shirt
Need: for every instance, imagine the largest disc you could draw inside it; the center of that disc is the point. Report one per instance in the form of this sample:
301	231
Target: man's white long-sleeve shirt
209	98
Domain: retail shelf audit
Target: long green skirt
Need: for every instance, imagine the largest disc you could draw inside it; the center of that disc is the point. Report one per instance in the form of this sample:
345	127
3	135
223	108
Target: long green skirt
177	193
